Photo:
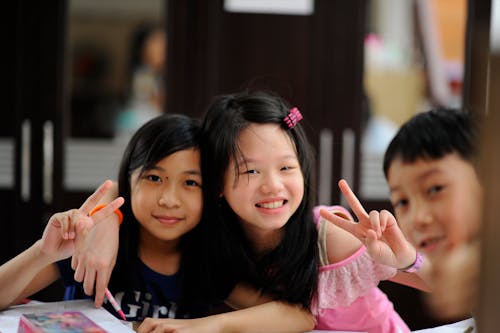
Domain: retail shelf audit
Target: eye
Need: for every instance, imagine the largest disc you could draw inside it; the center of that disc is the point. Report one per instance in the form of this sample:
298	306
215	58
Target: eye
286	168
152	178
192	182
435	189
400	204
250	172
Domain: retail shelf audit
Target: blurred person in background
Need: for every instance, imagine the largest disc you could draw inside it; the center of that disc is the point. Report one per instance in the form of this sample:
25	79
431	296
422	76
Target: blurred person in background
147	87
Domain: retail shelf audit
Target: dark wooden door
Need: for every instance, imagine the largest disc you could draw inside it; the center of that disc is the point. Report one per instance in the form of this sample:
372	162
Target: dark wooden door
314	61
31	121
31	127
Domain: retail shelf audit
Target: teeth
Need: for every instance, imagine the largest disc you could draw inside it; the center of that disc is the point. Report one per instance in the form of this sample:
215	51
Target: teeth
274	204
431	241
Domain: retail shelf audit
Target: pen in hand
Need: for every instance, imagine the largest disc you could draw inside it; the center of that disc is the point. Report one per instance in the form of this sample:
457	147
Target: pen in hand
115	305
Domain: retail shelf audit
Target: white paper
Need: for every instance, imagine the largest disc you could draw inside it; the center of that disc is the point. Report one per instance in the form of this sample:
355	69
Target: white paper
458	327
9	318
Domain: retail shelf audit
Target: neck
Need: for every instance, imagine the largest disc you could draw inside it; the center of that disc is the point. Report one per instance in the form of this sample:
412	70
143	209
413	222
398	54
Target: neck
263	241
159	255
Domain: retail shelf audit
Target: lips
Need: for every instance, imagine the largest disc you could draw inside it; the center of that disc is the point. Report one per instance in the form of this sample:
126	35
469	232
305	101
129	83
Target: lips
272	204
431	243
167	219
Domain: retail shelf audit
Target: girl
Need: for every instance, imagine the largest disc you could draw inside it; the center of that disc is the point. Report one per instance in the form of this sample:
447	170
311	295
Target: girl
160	180
35	268
258	195
161	270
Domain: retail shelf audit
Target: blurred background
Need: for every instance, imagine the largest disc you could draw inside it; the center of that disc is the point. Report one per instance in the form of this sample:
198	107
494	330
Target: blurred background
84	74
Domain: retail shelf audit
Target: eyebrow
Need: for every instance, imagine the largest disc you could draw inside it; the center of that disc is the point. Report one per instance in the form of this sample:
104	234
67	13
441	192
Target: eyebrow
245	160
420	177
195	172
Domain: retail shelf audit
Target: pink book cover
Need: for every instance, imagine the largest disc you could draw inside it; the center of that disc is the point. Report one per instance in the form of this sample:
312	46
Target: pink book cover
57	322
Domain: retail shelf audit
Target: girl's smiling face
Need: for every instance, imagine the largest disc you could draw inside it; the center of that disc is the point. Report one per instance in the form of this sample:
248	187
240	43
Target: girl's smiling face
167	199
437	202
265	186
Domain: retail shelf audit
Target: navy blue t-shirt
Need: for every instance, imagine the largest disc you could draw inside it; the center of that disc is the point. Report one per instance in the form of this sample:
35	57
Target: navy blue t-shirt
154	295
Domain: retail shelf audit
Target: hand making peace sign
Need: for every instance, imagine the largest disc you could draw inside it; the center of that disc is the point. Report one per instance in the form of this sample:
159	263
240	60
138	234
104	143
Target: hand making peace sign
60	235
379	231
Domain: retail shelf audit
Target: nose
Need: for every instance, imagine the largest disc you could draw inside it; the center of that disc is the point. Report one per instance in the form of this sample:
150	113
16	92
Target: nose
421	216
271	183
168	197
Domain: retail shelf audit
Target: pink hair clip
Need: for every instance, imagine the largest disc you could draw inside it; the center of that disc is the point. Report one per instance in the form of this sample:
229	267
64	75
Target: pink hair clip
293	117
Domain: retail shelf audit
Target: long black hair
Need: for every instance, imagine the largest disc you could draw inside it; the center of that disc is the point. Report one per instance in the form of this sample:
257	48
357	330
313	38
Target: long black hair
434	134
155	140
288	272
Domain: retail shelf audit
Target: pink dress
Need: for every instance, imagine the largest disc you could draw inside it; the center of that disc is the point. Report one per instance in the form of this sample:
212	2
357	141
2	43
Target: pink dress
348	297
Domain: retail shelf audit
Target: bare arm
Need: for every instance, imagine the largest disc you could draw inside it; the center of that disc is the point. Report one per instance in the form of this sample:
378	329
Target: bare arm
272	317
25	274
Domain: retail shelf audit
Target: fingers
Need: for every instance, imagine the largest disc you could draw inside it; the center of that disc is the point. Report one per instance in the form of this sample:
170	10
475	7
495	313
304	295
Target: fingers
74	261
393	233
108	210
145	326
79	272
372	243
89	281
100	287
352	200
375	223
163	325
384	218
67	222
148	325
94	198
343	223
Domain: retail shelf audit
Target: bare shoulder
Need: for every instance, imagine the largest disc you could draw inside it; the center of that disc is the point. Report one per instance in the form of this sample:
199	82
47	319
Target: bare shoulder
340	244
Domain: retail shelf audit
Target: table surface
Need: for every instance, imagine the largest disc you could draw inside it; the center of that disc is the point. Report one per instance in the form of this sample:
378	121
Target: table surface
9	318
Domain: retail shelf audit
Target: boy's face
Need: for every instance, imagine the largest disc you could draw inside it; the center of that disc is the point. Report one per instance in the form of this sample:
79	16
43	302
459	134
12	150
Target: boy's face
437	202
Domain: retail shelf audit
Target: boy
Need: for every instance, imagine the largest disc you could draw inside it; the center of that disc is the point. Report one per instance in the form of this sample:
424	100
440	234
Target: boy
430	166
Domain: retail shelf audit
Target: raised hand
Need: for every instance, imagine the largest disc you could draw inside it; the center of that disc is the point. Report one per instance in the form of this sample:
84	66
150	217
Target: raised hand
379	231
96	251
60	234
